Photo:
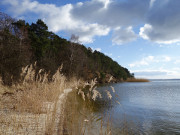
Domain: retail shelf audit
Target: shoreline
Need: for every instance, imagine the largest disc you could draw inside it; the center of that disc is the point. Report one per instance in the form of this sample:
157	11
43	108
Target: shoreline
44	116
137	80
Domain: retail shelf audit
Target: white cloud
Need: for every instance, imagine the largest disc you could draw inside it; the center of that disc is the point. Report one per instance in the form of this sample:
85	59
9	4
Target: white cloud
149	33
58	18
162	22
108	54
85	19
93	18
86	32
146	61
145	30
152	3
158	74
167	58
116	13
97	49
177	62
177	43
106	2
150	73
121	36
113	14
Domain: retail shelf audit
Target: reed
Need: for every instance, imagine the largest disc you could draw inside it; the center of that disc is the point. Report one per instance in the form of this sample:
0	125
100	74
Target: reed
137	80
31	107
80	110
80	118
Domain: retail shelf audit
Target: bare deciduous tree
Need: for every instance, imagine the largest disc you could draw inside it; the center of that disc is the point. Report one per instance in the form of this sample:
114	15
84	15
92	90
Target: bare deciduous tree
74	38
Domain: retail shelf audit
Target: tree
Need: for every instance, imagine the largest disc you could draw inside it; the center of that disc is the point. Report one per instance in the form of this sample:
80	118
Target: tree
39	36
22	44
74	38
15	50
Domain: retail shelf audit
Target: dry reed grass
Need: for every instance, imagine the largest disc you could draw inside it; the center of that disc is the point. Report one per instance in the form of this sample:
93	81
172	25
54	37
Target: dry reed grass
137	80
89	91
83	119
36	90
80	118
33	103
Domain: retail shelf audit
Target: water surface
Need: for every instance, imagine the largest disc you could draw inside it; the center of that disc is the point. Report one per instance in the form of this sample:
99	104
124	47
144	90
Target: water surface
151	108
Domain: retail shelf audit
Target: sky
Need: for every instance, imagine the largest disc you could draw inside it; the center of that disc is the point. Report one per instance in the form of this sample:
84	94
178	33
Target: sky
141	35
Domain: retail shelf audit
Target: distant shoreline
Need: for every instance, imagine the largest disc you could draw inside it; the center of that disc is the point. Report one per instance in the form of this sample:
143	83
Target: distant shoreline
137	80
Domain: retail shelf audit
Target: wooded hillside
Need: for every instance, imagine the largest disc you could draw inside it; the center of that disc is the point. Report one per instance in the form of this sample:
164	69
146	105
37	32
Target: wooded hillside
22	44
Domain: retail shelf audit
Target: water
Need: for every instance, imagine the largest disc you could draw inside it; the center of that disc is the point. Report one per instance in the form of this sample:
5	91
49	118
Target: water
151	108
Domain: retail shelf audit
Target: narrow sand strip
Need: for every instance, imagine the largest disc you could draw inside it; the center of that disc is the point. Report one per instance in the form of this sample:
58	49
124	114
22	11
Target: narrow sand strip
59	112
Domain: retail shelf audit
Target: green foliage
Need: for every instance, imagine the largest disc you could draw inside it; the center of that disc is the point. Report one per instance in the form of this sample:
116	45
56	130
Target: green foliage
39	36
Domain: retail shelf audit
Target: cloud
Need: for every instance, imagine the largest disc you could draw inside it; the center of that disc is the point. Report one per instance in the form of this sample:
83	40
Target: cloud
97	49
108	54
158	74
146	61
121	36
177	62
162	22
144	31
156	67
86	32
119	16
116	13
88	19
166	58
152	3
58	18
150	73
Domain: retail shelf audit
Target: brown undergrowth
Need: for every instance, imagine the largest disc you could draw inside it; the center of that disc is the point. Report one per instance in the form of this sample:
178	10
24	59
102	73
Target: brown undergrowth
137	80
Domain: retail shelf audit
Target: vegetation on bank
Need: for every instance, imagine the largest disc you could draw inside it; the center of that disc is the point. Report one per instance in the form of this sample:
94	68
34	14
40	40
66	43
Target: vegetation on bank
34	106
33	90
22	44
137	80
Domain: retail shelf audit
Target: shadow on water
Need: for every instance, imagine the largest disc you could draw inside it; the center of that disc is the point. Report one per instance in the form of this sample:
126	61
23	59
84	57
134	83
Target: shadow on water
85	117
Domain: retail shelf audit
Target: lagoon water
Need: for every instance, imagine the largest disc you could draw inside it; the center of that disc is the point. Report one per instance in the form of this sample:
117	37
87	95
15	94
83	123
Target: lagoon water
151	108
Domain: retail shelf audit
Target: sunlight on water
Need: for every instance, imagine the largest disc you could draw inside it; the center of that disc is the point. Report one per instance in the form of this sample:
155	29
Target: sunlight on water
146	108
